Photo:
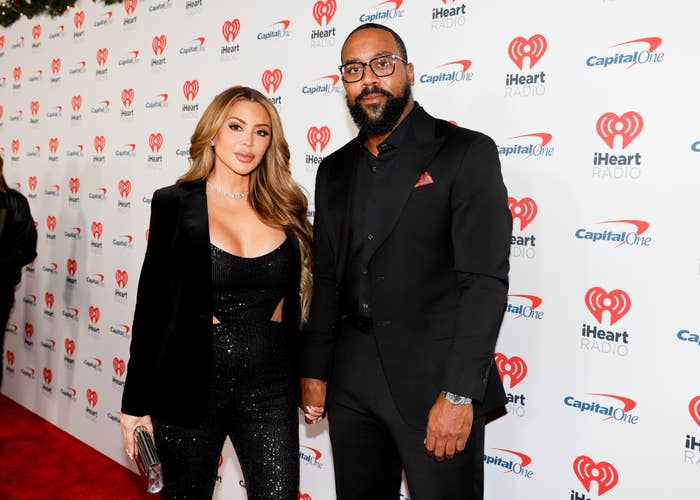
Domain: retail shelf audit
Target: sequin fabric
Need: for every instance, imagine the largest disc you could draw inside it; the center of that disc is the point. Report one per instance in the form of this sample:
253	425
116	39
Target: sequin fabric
252	394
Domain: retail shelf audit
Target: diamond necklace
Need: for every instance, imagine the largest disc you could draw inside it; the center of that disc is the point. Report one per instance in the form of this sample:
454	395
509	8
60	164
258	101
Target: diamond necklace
233	196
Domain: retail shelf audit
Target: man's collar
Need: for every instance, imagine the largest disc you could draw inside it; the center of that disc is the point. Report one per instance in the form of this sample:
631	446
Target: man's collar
397	136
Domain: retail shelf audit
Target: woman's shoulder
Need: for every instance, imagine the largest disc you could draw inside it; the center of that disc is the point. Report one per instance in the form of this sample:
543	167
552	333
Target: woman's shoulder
177	190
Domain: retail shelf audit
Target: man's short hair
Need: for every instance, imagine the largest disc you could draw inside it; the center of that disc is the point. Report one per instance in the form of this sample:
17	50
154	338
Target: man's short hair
397	38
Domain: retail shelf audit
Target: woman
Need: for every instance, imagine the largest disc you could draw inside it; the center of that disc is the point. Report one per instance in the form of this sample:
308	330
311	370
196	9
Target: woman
224	287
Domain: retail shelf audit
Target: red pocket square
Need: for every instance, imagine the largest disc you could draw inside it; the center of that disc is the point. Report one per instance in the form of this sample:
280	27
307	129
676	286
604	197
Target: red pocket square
424	180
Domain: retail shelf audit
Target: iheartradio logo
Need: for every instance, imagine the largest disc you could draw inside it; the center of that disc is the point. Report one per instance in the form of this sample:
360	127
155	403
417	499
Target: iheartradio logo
101	56
28	330
10	356
155	141
318	138
616	302
69	345
74	185
49	299
48	375
76	102
124	188
99	143
525	210
2	41
694	409
130	6
51	223
158	44
79	19
271	80
32	182
53	144
230	30
55	66
96	228
532	48
122	278
72	266
94	314
34	108
628	126
91	396
190	88
323	12
36	31
514	367
119	366
128	97
603	473
15	146
16	73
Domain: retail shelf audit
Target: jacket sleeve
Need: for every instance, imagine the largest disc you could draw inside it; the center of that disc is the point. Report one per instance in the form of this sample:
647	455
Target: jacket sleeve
481	233
22	249
152	311
318	335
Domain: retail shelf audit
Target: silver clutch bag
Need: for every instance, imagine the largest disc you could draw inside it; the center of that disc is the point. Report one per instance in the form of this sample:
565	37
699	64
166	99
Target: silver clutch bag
147	460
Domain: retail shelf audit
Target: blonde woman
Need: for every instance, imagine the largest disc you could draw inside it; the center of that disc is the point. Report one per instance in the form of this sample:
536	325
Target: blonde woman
224	288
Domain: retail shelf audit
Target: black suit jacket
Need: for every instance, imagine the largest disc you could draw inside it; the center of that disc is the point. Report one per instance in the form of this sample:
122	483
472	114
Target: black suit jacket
17	237
168	374
439	267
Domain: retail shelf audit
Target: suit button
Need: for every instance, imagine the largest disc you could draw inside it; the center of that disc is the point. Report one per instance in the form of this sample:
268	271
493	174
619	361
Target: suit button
364	271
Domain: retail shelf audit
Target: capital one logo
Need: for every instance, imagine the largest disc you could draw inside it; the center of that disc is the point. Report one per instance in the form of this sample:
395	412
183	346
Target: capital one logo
124	188
271	80
122	278
628	126
190	88
119	366
72	266
55	66
514	367
303	496
532	48
694	409
603	473
96	228
158	44
49	299
51	222
17	73
230	30
69	346
99	143
155	141
102	56
91	396
53	144
128	97
318	138
525	210
76	102
130	6
616	302
15	146
48	375
36	31
323	12
32	182
74	185
79	19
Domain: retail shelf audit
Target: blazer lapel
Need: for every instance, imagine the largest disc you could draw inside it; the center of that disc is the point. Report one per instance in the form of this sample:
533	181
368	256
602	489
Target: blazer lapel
194	233
420	146
340	182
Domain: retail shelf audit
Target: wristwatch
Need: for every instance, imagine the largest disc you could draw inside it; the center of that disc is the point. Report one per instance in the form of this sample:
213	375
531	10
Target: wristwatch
456	399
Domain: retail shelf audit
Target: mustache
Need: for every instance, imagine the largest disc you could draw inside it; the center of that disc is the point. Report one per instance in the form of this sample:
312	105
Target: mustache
373	90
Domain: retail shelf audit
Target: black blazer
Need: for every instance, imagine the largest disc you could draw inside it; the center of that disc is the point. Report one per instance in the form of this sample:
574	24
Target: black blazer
439	267
17	237
168	374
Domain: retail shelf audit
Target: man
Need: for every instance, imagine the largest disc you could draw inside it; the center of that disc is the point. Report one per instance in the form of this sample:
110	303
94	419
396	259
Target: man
411	240
17	248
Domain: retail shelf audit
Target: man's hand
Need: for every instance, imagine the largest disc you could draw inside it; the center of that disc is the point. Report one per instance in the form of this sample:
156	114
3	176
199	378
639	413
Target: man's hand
448	429
313	399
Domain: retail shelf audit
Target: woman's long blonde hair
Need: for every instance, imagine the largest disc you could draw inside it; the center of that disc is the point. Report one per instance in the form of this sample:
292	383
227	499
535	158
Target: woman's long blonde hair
274	195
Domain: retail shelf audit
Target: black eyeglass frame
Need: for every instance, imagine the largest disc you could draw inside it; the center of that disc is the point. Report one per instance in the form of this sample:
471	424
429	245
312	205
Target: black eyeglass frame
393	57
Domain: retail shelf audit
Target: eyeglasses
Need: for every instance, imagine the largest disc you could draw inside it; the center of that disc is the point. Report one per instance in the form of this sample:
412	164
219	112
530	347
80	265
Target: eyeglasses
381	66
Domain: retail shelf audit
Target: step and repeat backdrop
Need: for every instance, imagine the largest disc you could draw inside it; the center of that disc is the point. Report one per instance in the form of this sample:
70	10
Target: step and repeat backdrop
594	109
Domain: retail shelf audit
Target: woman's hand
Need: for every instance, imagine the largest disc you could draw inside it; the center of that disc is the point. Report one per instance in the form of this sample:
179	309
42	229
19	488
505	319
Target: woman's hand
128	424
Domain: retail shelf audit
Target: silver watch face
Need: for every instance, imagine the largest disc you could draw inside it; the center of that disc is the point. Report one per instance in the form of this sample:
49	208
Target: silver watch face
457	400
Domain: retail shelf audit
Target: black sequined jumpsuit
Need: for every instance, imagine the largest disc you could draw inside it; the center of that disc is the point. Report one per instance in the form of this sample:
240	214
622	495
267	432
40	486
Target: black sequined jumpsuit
252	394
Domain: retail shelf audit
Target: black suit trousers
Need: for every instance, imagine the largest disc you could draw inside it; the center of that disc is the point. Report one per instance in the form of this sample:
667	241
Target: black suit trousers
372	443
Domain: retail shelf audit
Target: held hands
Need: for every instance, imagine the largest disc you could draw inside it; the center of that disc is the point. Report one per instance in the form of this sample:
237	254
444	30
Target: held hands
448	429
128	424
313	399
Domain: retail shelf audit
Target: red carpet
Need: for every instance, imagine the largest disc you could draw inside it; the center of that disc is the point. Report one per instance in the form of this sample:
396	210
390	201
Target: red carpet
39	461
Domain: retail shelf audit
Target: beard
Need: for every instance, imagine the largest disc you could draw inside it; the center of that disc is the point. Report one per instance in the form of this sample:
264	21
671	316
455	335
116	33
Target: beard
389	112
